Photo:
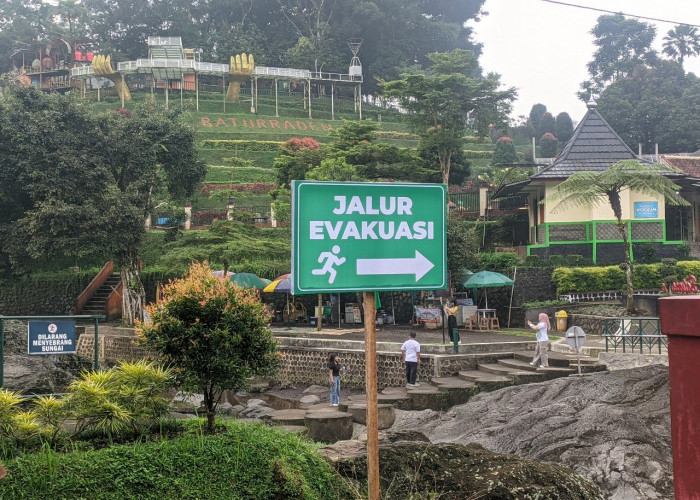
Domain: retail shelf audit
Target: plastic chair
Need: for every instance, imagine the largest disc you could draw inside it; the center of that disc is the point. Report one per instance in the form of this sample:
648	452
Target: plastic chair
472	322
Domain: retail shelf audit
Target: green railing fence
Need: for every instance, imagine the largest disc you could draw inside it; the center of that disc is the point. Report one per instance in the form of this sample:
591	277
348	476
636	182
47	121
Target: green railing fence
641	335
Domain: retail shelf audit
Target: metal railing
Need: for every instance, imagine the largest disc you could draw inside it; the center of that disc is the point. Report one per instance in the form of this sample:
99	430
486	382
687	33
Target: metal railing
602	296
641	335
465	202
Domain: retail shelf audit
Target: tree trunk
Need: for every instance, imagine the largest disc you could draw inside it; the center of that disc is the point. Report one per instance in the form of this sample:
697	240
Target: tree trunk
445	160
629	272
210	404
133	294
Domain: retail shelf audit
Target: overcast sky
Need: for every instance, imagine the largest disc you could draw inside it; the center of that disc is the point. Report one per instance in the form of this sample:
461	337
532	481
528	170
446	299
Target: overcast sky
542	48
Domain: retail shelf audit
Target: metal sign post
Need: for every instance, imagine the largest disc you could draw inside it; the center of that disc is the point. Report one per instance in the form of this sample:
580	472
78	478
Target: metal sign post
371	391
368	237
576	337
51	339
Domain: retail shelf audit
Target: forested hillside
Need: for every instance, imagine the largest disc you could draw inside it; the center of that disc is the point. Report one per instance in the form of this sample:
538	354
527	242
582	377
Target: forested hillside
309	34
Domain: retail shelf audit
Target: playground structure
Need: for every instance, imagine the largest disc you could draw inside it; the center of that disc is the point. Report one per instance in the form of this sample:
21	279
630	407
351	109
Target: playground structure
47	67
169	63
240	70
102	66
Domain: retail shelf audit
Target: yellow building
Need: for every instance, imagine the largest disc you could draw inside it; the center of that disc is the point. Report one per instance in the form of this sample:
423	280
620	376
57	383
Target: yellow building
592	232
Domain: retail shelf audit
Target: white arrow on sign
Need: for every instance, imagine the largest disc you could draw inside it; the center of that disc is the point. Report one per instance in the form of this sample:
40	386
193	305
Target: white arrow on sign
417	265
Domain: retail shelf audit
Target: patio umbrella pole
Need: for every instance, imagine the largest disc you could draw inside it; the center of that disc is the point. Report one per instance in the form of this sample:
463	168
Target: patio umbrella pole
320	312
287	310
338	311
510	307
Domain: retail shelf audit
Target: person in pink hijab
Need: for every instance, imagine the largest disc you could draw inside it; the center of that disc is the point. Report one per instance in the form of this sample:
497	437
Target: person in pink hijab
542	327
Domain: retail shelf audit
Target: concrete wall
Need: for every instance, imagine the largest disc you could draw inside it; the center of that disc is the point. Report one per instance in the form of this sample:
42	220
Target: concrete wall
600	212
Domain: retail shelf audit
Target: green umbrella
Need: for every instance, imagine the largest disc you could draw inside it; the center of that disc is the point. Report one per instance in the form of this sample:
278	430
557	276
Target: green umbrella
487	279
248	280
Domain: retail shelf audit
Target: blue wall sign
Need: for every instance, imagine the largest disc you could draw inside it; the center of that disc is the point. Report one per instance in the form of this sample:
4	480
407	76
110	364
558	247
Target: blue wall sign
646	209
52	337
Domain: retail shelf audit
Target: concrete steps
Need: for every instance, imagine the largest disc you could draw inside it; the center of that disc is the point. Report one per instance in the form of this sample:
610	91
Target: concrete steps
97	304
484	380
328	424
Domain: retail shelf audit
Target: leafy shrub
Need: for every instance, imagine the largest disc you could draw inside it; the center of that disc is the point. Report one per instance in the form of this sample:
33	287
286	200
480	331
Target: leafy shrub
683	251
128	399
555	260
548	145
575	260
544	303
534	261
499	261
688	267
212	333
645	253
504	152
9	407
250	461
588	279
647	276
295	144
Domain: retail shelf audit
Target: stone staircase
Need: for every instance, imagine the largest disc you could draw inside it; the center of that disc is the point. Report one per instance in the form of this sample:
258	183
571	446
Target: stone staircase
325	423
97	304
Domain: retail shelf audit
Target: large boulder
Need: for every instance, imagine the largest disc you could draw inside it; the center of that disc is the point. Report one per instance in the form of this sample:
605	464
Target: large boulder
612	427
42	374
411	468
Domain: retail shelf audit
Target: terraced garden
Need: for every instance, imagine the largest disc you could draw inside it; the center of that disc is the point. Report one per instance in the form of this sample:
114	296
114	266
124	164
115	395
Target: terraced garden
239	147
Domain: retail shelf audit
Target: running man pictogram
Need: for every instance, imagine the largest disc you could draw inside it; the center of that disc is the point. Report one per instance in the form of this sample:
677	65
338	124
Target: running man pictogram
331	259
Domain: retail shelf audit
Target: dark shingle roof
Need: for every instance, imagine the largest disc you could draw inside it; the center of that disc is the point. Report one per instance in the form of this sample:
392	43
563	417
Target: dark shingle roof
594	146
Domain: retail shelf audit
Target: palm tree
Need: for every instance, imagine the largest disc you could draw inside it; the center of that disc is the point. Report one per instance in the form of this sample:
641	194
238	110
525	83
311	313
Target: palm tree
681	42
590	189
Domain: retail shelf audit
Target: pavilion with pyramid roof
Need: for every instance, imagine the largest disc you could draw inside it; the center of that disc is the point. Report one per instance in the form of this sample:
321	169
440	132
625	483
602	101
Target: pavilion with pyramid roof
592	232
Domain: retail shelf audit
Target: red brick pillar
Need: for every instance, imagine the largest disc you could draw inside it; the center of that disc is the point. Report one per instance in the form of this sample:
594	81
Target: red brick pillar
680	321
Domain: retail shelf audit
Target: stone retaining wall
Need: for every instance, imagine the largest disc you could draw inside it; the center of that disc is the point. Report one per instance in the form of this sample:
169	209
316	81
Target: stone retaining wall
592	325
310	366
113	348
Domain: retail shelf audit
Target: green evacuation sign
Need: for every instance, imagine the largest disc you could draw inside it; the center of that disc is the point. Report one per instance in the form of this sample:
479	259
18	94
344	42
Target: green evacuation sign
352	236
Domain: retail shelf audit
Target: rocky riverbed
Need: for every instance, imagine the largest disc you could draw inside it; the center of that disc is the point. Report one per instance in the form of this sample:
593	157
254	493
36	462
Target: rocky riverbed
613	429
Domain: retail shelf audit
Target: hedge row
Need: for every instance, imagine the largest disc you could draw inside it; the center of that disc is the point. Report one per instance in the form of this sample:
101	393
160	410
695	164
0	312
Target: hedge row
239	175
43	294
262	159
392	134
241	145
246	461
646	276
470	153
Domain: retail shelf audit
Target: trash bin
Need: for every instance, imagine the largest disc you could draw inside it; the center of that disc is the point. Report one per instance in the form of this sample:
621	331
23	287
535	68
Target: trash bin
562	318
313	320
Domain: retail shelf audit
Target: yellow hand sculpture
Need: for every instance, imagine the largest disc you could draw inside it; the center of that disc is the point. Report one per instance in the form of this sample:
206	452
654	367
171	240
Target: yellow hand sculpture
241	69
102	66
